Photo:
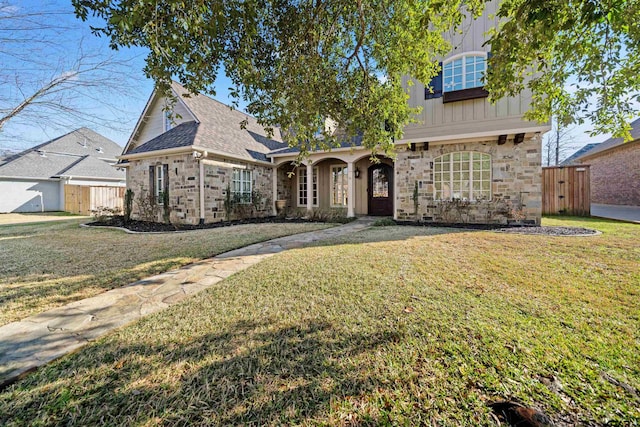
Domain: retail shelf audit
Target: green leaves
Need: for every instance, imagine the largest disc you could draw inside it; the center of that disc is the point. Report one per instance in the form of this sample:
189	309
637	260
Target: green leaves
585	56
296	63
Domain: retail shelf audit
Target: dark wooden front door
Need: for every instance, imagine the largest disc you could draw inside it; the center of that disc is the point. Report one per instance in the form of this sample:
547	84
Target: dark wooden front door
380	190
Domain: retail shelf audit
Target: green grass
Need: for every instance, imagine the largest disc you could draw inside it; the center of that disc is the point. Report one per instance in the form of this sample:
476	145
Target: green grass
46	265
392	326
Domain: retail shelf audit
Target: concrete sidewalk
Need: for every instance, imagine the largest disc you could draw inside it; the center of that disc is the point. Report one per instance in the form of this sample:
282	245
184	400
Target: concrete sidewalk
39	339
623	213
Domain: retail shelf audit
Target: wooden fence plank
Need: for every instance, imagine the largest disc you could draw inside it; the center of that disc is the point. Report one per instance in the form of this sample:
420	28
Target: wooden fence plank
566	190
82	200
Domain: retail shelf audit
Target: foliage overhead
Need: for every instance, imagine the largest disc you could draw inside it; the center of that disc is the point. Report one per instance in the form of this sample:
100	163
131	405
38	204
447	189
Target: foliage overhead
580	58
296	62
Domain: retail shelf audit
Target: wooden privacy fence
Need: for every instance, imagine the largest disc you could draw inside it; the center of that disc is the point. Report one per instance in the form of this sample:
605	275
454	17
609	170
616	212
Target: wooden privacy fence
80	199
566	190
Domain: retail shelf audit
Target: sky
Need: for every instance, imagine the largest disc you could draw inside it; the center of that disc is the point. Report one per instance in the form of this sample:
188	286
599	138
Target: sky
51	52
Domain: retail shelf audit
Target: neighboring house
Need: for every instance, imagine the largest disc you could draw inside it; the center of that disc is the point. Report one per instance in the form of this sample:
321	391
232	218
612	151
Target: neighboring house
467	161
33	180
615	170
573	159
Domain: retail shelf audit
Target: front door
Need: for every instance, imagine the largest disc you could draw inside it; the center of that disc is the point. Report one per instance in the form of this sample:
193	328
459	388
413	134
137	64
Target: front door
380	190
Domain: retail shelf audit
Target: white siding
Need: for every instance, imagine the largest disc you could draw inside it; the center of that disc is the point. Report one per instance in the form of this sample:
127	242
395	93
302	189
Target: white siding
471	116
152	124
29	196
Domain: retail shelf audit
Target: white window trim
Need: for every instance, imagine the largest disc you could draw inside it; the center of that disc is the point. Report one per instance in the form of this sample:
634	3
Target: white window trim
242	181
462	56
316	173
450	180
346	203
159	183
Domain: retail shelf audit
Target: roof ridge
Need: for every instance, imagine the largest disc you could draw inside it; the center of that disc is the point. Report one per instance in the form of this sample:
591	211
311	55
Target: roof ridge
230	107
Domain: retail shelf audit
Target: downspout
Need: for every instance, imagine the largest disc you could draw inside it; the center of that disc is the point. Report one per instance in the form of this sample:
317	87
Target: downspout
198	155
201	191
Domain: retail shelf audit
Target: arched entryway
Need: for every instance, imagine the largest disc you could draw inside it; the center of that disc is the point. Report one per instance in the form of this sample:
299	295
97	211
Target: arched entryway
380	190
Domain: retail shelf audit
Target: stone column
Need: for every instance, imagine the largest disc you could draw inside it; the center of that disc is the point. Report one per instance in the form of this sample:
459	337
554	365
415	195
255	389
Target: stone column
351	190
309	186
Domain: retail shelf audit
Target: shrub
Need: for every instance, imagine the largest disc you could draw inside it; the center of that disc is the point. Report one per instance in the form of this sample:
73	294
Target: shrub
104	213
384	222
147	206
128	204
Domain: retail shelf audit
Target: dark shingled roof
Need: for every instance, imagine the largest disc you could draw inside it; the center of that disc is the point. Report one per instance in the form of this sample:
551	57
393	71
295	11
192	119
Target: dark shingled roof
81	153
614	142
355	141
218	128
571	160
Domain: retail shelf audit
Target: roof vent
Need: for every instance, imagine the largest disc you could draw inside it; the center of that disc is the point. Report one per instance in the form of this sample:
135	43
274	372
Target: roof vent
42	153
99	150
84	143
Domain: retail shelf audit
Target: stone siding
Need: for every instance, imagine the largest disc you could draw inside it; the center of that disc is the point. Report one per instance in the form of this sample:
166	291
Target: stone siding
184	187
615	175
516	184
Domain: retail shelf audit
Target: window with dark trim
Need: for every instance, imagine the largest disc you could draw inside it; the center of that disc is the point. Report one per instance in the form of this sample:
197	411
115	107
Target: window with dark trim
159	181
460	78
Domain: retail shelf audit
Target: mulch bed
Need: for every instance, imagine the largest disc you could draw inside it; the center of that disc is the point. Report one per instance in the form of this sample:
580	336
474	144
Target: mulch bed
511	228
551	231
151	227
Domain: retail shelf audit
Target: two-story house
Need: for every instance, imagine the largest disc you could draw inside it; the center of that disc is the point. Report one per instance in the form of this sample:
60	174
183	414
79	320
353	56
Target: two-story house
465	161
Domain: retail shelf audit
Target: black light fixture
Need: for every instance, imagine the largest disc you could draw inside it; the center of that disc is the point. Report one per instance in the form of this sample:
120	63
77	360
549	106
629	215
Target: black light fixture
356	172
519	138
502	139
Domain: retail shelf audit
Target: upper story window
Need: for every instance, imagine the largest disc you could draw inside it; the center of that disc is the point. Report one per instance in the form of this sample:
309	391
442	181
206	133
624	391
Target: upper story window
464	72
461	78
168	122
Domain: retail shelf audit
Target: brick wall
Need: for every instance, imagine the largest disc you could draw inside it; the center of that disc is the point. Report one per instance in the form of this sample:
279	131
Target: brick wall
615	175
184	187
516	184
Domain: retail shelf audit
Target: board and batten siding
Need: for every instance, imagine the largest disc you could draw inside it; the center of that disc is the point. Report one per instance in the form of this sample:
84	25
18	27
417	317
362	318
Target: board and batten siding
153	122
440	120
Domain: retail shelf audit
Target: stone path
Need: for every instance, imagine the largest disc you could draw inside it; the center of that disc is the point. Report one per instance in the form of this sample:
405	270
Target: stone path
39	339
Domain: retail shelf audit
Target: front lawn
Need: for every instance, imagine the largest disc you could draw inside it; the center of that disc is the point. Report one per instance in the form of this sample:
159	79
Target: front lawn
51	264
392	326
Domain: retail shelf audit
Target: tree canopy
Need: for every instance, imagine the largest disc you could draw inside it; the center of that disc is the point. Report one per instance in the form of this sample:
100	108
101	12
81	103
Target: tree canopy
297	62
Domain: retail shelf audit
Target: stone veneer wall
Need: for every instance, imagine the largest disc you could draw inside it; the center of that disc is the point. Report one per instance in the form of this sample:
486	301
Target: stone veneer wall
217	178
615	175
184	186
516	185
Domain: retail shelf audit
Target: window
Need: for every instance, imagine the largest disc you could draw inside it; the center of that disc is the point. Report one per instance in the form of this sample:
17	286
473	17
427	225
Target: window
241	185
462	175
464	72
168	122
338	186
302	186
159	181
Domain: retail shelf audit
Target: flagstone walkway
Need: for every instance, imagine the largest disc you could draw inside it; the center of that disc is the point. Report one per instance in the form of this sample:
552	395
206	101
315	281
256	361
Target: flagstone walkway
39	339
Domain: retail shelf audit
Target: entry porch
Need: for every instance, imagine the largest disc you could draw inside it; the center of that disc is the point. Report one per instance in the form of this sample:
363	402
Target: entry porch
345	181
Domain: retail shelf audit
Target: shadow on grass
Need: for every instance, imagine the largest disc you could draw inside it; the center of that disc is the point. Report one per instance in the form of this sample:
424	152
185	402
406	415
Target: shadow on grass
250	373
20	296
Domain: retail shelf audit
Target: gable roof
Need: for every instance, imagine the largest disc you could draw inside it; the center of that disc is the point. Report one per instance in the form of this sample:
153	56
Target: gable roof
572	158
81	153
217	127
614	142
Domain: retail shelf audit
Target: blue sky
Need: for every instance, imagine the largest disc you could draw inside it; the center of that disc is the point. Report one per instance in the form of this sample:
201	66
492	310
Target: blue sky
122	108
